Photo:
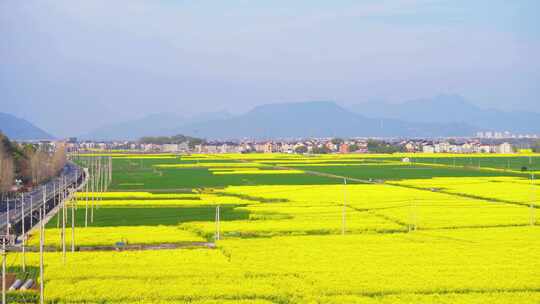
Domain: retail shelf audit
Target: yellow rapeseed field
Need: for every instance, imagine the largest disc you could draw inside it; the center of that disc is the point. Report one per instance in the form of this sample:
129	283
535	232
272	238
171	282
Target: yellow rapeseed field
459	239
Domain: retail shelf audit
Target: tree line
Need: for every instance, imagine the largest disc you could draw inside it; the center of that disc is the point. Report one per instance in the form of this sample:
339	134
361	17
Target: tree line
176	139
29	163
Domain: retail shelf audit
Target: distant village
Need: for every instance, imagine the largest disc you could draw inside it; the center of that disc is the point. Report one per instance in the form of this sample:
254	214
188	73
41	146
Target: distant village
310	146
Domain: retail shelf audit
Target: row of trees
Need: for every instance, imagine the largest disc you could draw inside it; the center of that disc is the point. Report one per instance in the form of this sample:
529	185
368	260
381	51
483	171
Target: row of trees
176	139
7	169
378	146
374	146
31	164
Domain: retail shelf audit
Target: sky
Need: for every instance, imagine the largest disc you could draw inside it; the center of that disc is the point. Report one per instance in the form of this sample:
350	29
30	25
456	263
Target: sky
72	66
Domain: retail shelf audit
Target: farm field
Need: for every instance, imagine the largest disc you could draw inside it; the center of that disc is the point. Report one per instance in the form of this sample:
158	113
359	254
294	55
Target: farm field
171	174
452	266
516	163
291	231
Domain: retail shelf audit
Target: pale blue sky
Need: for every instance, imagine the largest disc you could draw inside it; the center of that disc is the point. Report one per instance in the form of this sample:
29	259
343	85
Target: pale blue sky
106	60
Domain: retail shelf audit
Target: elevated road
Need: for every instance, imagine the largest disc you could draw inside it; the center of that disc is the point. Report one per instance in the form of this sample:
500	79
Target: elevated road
47	196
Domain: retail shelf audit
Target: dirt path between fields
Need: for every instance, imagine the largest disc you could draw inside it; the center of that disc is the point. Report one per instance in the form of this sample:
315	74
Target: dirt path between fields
165	246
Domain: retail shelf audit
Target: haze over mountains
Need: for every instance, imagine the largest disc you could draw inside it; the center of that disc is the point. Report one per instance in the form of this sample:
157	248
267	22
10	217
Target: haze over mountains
453	109
159	124
440	116
314	119
443	115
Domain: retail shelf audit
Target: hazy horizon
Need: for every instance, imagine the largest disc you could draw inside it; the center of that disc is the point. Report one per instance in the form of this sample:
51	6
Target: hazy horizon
63	61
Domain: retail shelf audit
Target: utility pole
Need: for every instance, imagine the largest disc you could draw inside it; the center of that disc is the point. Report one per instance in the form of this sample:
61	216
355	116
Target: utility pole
54	192
102	180
23	235
217	224
98	181
101	176
96	175
93	178
533	199
86	207
44	192
59	194
41	240
106	174
31	212
4	240
59	198
64	231
110	169
7	218
74	203
343	218
104	177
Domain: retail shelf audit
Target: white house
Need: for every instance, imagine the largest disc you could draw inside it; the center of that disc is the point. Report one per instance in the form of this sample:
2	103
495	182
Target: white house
505	148
169	148
428	149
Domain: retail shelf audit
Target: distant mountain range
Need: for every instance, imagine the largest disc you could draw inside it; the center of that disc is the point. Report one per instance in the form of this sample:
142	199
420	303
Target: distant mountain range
315	119
20	129
453	109
161	124
441	116
284	120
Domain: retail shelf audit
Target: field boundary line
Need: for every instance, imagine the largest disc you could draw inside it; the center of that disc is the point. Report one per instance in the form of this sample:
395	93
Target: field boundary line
462	195
134	247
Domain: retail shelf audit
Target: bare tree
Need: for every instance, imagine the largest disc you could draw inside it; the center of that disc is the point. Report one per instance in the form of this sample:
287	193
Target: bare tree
44	165
31	163
7	169
59	158
38	166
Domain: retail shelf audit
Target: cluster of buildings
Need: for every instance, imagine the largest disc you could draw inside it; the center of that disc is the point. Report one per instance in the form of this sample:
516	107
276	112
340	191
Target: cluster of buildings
503	135
303	146
467	147
324	145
